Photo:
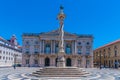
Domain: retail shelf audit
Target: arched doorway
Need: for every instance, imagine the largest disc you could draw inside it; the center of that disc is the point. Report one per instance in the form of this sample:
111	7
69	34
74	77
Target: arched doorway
68	62
116	64
47	62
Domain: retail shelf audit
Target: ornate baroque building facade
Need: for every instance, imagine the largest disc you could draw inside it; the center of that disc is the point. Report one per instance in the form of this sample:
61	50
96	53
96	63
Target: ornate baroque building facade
41	49
108	55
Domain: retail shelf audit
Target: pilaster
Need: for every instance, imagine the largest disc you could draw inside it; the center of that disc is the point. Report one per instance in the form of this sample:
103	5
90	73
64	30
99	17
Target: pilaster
83	61
31	60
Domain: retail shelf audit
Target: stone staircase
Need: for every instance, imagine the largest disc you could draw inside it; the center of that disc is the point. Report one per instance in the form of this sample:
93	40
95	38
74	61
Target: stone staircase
60	72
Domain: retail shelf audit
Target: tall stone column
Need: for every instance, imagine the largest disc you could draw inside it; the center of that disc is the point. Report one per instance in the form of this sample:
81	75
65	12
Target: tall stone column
61	53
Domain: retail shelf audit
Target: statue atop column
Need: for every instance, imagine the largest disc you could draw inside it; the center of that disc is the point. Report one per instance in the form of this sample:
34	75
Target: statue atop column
61	53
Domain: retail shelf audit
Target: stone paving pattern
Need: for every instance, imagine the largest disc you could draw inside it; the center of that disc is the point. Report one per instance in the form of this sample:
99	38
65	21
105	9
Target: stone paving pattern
23	73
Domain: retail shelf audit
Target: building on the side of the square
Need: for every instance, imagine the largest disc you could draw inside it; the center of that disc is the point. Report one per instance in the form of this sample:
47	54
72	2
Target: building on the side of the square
107	55
41	49
10	52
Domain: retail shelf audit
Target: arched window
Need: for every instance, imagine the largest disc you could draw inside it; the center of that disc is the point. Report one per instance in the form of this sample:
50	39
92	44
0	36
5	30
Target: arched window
47	49
68	49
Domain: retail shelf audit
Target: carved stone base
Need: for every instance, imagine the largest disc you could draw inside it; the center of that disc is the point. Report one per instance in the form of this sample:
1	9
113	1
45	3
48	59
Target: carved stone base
61	60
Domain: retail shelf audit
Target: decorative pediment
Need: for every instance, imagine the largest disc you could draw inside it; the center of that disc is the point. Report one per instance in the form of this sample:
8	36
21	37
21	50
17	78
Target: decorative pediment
56	33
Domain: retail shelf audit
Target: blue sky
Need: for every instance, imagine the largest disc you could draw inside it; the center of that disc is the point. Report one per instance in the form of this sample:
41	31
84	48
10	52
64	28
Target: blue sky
101	18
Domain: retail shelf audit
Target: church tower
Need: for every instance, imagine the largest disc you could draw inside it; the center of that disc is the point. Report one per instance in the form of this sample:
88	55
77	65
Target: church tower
13	40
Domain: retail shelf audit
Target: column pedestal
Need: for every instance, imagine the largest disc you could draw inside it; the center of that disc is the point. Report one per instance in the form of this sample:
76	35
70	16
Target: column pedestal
61	59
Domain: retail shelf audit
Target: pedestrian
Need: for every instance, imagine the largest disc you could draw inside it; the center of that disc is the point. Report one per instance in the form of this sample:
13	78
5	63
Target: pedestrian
14	67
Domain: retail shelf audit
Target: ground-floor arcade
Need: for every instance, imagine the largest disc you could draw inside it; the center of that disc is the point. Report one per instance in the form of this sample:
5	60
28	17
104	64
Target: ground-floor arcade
51	60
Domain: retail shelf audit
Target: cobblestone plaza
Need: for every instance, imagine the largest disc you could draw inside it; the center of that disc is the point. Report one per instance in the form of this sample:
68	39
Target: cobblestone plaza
22	73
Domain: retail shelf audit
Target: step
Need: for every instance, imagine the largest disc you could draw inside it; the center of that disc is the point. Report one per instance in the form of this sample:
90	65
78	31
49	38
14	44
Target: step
59	72
59	75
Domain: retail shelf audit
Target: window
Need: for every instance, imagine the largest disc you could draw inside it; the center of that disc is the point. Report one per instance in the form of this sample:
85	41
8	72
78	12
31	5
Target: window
115	47
36	61
0	51
27	42
36	42
109	54
27	50
56	48
3	52
115	53
79	51
87	50
27	61
87	43
79	43
47	48
36	50
87	62
68	49
0	57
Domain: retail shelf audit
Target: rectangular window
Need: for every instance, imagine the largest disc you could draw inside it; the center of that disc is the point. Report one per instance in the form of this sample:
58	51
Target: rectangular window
0	57
87	62
36	61
115	53
0	51
27	61
79	51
